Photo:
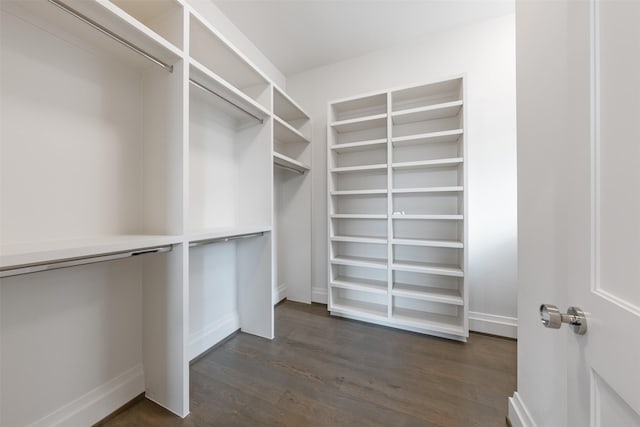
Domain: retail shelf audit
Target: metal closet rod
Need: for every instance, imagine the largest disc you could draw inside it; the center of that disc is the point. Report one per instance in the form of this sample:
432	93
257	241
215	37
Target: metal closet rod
74	262
111	34
206	89
225	239
289	168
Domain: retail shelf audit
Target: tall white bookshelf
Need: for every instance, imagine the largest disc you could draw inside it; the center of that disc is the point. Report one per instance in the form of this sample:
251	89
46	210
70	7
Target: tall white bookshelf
137	152
397	208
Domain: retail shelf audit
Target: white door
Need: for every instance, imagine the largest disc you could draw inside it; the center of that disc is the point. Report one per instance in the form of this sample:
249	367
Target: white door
583	131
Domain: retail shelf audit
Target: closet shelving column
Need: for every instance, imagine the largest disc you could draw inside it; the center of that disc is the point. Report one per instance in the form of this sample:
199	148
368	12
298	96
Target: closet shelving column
99	177
229	211
410	154
292	199
357	201
428	289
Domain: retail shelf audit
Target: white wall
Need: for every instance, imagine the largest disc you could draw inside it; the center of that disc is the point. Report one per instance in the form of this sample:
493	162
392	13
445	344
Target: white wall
486	53
219	20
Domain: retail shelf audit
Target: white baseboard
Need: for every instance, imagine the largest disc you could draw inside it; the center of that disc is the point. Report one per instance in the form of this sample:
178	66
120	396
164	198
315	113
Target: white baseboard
213	333
518	414
491	324
280	293
99	402
319	295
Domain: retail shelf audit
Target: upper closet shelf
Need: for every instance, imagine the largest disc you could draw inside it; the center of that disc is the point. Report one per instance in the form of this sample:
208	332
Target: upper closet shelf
428	163
102	24
284	132
364	168
358	146
30	253
360	123
430	112
289	163
286	108
231	100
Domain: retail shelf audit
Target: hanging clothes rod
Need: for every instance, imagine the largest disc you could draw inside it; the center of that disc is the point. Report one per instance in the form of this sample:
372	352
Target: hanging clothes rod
74	262
206	89
289	168
111	34
224	239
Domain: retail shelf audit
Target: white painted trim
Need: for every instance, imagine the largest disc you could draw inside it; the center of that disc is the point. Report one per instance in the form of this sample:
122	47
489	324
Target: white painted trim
280	293
492	324
212	334
319	295
518	414
99	402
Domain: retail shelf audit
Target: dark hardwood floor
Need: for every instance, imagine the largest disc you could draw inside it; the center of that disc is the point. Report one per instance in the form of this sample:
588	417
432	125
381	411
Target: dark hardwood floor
325	371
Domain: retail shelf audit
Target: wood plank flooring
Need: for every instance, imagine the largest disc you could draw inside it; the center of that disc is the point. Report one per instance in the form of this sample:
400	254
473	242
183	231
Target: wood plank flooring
327	371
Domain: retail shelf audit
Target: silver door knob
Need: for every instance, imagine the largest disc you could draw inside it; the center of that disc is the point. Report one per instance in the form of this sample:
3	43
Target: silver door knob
552	318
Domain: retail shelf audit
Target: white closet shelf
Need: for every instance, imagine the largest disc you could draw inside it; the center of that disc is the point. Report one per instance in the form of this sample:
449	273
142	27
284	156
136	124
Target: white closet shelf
455	161
359	216
431	243
18	254
359	308
284	132
234	102
286	108
431	137
430	268
361	123
224	232
360	261
359	239
107	15
431	112
289	163
349	169
358	192
358	146
435	322
428	293
452	189
358	284
429	217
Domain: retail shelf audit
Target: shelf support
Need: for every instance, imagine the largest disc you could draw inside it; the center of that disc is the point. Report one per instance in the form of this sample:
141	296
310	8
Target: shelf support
74	262
112	35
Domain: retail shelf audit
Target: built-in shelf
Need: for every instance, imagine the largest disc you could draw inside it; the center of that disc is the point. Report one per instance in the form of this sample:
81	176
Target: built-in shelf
451	189
359	308
359	284
428	293
359	239
427	320
284	132
429	217
289	163
430	112
361	123
364	168
358	216
358	146
233	102
286	108
224	232
357	192
430	268
431	137
28	253
431	243
359	261
428	163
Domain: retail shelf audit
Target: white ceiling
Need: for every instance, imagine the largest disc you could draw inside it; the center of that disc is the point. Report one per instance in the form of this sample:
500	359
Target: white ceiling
298	35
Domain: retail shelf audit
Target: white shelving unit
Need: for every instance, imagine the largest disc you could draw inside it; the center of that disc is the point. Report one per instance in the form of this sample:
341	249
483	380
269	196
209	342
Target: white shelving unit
292	203
139	212
397	208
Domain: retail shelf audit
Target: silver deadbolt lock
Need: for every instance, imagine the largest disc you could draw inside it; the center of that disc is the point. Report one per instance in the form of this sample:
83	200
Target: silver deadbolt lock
551	317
